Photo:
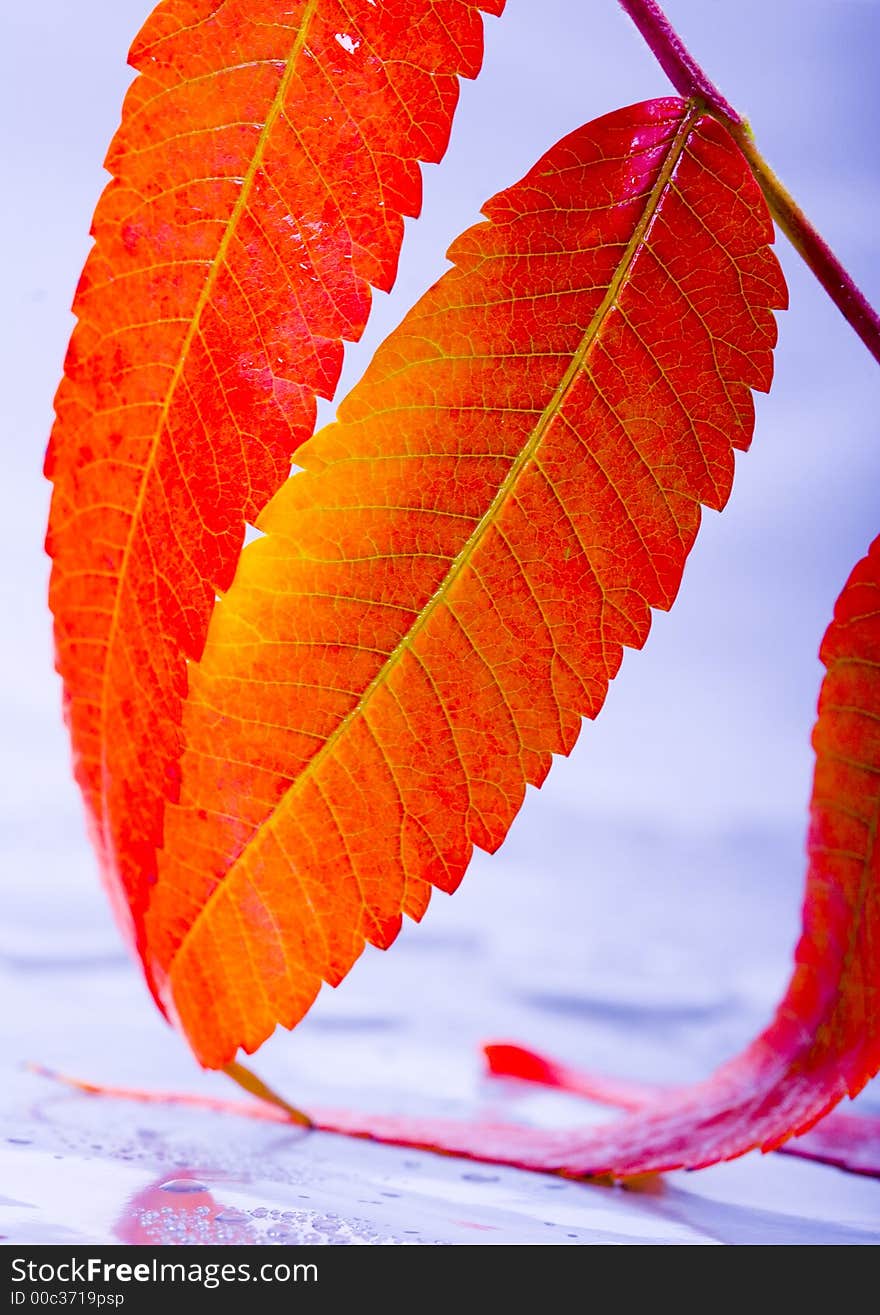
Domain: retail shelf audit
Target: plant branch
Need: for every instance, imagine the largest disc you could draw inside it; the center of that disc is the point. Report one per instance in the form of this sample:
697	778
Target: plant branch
675	59
691	82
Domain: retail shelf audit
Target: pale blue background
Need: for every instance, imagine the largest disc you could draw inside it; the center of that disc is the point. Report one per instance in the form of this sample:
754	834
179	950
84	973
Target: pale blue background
661	868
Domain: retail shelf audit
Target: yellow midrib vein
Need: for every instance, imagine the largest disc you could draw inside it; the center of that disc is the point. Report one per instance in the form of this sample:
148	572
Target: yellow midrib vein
204	297
624	267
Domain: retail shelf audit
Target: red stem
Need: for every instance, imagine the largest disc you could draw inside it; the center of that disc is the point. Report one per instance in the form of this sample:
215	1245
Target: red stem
691	82
674	58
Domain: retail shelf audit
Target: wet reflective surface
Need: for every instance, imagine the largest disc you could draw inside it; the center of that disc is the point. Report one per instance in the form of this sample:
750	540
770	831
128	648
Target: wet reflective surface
537	947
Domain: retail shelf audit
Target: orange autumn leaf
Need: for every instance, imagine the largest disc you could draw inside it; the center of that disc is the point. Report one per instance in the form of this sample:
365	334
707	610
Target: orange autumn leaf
266	158
824	1041
445	591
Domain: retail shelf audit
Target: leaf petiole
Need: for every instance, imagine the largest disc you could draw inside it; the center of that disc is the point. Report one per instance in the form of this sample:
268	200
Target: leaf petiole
691	81
249	1082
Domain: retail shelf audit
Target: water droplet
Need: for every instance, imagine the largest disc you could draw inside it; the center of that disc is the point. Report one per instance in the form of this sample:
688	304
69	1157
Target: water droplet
19	1141
183	1185
480	1177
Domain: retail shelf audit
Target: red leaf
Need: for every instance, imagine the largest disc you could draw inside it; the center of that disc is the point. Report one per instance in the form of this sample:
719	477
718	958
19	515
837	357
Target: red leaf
848	1141
266	157
446	590
510	1061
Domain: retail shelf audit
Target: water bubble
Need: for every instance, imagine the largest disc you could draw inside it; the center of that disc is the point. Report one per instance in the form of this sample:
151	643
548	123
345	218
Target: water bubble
183	1185
480	1177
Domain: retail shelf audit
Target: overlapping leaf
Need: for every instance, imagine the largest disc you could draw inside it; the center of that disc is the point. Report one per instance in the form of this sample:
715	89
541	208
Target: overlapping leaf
824	1042
445	591
266	157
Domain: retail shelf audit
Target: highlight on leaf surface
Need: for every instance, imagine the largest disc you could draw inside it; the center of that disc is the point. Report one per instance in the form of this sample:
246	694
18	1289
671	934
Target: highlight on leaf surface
824	1041
445	591
265	161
